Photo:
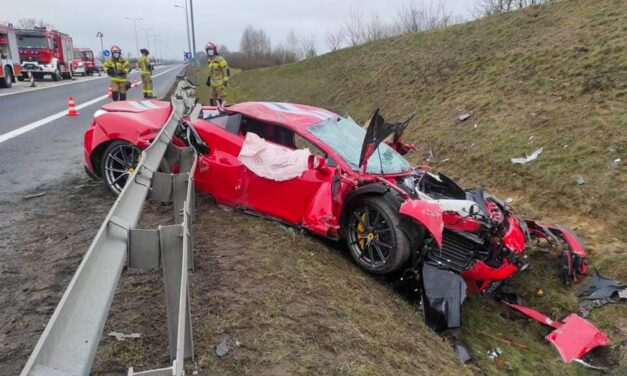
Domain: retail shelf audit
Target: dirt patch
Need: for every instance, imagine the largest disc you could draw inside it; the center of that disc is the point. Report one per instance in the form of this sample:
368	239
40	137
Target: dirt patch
42	241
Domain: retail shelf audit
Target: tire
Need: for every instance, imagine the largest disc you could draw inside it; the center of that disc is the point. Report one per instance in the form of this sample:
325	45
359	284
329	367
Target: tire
56	76
374	238
118	162
7	82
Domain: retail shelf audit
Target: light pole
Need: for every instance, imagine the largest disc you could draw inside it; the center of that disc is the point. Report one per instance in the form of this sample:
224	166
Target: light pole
101	35
191	15
135	19
189	41
146	30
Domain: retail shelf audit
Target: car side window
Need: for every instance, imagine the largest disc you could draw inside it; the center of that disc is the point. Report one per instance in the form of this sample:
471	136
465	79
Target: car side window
303	143
267	131
230	123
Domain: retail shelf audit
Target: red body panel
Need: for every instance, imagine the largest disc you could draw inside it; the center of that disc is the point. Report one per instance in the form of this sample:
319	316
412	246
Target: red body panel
480	275
514	238
428	214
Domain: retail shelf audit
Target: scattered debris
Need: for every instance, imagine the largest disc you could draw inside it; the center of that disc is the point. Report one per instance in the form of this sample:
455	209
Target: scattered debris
601	291
463	352
122	337
528	157
573	338
224	208
614	163
565	146
431	157
35	195
494	353
222	348
531	139
581	180
588	365
504	340
540	292
464	117
475	125
445	160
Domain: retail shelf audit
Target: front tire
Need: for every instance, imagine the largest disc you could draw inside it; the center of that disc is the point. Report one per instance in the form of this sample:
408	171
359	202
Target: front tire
7	82
374	238
56	76
119	161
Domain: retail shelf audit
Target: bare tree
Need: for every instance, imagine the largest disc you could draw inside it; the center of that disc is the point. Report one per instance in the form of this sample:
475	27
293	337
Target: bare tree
334	38
491	7
416	16
255	43
354	27
293	46
31	23
308	45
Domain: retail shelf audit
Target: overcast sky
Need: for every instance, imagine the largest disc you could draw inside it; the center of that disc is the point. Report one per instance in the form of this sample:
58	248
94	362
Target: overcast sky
219	21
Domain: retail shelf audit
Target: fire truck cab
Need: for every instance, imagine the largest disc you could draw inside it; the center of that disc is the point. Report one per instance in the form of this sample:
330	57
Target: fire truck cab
84	62
9	57
45	52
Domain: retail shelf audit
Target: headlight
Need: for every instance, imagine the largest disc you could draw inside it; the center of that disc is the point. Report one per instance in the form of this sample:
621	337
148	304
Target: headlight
48	65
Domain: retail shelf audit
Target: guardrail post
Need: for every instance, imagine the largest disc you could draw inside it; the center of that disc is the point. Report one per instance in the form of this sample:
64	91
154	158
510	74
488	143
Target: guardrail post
171	239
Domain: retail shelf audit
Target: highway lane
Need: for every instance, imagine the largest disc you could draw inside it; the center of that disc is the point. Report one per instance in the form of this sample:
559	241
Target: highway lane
53	151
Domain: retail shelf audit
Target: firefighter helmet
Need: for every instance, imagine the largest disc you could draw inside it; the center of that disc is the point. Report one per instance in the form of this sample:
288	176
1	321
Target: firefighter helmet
211	46
116	49
144	51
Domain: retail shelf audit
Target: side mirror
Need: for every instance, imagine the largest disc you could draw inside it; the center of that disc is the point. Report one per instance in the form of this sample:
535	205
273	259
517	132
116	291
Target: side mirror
317	162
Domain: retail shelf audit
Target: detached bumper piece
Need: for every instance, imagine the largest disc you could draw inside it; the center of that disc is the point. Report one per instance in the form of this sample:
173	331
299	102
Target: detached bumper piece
573	338
443	293
573	257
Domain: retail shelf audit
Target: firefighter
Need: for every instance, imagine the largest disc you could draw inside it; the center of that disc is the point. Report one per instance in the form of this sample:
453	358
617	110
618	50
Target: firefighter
117	68
146	71
219	74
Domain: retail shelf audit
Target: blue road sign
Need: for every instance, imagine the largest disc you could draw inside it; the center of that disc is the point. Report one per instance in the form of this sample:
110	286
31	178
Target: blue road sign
106	53
187	55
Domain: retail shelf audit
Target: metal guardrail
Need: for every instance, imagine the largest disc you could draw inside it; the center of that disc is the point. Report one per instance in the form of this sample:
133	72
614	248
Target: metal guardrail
69	342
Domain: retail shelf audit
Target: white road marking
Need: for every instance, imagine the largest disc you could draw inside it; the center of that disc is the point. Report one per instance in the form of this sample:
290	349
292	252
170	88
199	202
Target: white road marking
50	84
29	127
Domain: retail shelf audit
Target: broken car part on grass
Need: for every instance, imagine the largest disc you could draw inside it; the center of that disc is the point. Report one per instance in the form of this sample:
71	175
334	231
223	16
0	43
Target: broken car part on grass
601	291
573	338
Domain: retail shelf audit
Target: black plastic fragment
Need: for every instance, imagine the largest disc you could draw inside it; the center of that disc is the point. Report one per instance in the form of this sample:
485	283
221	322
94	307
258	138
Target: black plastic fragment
442	295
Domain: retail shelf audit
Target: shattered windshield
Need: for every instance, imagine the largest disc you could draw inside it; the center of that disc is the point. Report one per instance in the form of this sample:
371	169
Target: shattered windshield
345	137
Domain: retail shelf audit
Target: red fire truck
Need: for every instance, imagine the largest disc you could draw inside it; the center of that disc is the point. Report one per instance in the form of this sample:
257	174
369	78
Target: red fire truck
9	57
45	52
84	62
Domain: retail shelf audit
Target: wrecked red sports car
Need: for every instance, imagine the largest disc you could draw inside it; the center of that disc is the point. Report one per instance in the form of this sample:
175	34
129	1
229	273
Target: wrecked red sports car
313	169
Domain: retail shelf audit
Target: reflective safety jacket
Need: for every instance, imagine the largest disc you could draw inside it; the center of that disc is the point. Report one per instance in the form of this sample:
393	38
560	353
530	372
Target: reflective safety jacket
145	65
117	69
218	71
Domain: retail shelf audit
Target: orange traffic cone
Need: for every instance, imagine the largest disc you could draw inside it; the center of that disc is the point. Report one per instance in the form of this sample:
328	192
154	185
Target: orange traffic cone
109	93
71	107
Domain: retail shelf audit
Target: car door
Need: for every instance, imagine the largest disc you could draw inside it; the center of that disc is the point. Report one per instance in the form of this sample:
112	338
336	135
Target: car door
303	200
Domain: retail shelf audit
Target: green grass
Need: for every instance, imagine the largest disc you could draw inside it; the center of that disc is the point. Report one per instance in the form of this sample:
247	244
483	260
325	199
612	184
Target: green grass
552	76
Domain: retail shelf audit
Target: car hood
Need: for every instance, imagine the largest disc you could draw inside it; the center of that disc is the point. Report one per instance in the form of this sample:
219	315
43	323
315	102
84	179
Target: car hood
378	130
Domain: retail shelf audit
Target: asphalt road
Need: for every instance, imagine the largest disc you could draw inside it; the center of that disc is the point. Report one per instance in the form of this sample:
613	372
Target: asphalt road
39	144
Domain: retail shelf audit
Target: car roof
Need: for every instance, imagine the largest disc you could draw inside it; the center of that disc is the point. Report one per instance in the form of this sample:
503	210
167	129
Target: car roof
291	115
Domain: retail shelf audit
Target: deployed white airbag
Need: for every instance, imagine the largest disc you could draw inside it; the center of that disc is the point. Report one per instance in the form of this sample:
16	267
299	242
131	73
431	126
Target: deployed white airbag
272	161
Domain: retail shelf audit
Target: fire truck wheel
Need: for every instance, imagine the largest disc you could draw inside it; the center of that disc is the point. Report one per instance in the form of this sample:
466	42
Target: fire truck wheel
56	76
7	82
